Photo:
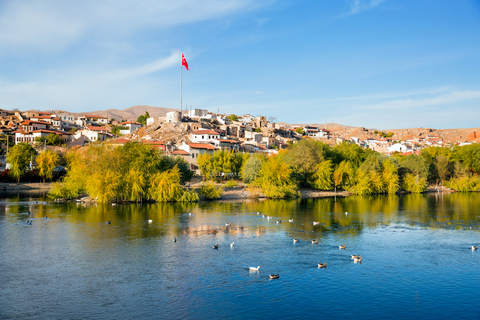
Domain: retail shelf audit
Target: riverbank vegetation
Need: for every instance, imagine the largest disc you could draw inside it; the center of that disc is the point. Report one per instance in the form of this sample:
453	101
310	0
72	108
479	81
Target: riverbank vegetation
134	172
137	172
313	164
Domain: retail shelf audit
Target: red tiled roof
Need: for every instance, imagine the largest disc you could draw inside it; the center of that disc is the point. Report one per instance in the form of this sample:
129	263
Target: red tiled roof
130	122
42	117
53	131
154	142
119	141
94	128
93	116
205	132
181	152
228	141
27	122
202	146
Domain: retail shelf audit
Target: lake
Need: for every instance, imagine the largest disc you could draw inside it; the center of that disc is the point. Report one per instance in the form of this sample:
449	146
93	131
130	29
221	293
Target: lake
70	264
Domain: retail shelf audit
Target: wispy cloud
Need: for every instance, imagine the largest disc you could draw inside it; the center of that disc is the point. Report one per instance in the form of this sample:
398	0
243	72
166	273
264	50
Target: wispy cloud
439	100
359	6
77	87
52	24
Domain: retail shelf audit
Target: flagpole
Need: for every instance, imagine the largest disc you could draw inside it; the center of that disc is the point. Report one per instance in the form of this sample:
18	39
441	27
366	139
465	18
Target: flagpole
180	86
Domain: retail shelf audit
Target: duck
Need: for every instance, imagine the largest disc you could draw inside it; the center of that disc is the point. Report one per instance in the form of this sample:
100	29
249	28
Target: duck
279	221
174	240
315	241
254	269
315	223
28	212
268	217
475	247
322	265
108	222
291	220
150	221
114	204
190	214
29	223
342	247
232	244
295	240
228	224
258	213
46	217
356	256
215	246
359	259
264	215
274	276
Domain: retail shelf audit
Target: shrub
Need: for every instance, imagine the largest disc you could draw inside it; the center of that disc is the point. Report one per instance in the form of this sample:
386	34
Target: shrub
210	191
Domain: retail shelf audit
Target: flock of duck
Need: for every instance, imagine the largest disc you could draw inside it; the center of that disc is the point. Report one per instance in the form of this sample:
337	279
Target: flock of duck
356	258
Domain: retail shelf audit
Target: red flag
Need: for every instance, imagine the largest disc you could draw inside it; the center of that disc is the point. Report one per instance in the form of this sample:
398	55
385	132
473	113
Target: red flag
184	62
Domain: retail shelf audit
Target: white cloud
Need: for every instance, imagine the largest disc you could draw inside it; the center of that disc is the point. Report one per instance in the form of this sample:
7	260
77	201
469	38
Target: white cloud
55	24
439	100
359	6
77	88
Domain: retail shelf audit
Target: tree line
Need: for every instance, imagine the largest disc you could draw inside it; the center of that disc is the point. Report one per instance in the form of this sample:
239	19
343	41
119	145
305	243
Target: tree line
313	164
137	172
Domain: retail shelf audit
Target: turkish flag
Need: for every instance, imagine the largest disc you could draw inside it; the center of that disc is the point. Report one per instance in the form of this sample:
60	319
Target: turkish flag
184	62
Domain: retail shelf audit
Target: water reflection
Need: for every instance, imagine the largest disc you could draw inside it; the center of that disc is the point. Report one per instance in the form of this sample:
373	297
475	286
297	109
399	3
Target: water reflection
346	215
75	265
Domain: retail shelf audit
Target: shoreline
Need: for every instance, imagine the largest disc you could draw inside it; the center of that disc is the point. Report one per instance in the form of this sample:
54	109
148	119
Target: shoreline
231	193
6	186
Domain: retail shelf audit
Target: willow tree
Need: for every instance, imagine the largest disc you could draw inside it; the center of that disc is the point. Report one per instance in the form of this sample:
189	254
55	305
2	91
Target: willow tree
46	163
344	175
322	177
19	157
276	179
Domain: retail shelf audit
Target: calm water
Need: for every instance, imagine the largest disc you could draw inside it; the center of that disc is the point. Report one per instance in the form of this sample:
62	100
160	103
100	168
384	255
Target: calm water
417	261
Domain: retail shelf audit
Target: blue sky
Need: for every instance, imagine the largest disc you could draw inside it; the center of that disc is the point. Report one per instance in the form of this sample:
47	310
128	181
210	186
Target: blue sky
382	64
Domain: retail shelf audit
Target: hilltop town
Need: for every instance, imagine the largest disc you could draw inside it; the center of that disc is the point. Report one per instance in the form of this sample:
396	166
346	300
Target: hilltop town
193	132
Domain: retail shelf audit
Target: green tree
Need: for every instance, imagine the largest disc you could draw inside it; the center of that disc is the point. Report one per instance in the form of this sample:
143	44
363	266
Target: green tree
390	176
322	177
116	129
46	162
299	131
443	168
276	180
210	191
303	158
251	169
143	118
344	175
19	157
415	183
232	117
165	186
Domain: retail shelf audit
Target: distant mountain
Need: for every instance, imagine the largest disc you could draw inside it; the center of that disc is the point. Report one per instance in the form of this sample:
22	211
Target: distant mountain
132	113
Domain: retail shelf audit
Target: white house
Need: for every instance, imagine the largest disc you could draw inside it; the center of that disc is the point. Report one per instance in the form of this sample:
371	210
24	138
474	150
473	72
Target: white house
253	136
195	149
398	147
92	118
197	113
131	126
30	136
93	133
204	136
